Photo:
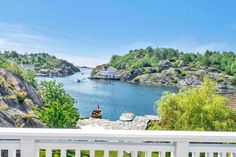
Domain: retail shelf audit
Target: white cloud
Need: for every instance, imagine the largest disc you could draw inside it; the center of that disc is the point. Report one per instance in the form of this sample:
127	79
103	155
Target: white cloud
17	37
9	26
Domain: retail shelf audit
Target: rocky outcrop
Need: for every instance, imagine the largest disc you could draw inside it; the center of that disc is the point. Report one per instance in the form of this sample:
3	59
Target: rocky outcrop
169	73
189	80
66	71
139	123
17	100
129	75
6	120
164	64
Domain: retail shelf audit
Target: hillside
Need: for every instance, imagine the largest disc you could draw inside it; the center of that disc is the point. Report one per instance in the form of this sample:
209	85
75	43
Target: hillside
168	66
44	64
17	99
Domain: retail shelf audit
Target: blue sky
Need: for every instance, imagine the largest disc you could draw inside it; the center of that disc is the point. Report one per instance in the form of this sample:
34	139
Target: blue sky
88	32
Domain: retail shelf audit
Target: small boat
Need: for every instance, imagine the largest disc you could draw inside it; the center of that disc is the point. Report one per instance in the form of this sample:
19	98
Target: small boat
97	113
127	116
78	80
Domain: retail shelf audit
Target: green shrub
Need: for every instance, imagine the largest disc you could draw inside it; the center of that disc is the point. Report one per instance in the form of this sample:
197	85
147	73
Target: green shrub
233	80
174	81
183	74
13	67
58	110
195	109
221	79
21	96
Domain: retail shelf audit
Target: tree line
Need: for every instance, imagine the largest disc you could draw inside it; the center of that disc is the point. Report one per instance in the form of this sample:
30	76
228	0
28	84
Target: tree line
150	57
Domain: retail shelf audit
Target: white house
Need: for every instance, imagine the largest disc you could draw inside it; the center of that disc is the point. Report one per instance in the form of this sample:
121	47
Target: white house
29	67
108	72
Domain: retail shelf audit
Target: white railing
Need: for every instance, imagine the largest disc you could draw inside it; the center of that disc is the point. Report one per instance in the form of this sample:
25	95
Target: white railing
98	143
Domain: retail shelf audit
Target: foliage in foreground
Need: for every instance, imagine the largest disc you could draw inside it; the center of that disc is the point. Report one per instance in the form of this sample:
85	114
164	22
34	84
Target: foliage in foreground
195	109
58	110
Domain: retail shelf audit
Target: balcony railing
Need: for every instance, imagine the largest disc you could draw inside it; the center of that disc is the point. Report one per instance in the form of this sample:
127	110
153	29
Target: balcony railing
45	142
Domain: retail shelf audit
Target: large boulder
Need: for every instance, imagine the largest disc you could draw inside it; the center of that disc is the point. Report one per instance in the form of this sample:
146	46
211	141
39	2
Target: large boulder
213	70
6	120
180	63
223	85
201	72
192	80
182	83
29	122
164	64
130	75
170	72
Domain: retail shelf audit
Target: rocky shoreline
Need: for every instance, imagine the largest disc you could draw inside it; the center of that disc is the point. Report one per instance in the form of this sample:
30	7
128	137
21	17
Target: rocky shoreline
43	64
57	72
139	123
168	73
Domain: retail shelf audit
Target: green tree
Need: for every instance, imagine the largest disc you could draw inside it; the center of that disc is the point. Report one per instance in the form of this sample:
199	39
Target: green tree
186	57
58	110
195	109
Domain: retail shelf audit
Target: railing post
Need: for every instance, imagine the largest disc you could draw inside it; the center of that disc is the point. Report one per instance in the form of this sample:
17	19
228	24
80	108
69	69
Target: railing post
27	148
181	149
233	154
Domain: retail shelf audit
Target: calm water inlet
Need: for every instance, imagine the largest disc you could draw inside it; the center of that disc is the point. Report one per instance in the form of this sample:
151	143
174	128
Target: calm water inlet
113	97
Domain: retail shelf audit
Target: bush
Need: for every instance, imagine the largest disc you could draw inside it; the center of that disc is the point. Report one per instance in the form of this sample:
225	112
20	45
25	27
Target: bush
233	80
158	69
58	110
21	96
174	81
181	72
195	109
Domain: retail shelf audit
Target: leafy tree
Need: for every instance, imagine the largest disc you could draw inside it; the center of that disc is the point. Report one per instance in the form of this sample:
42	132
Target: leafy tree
58	110
195	109
186	57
